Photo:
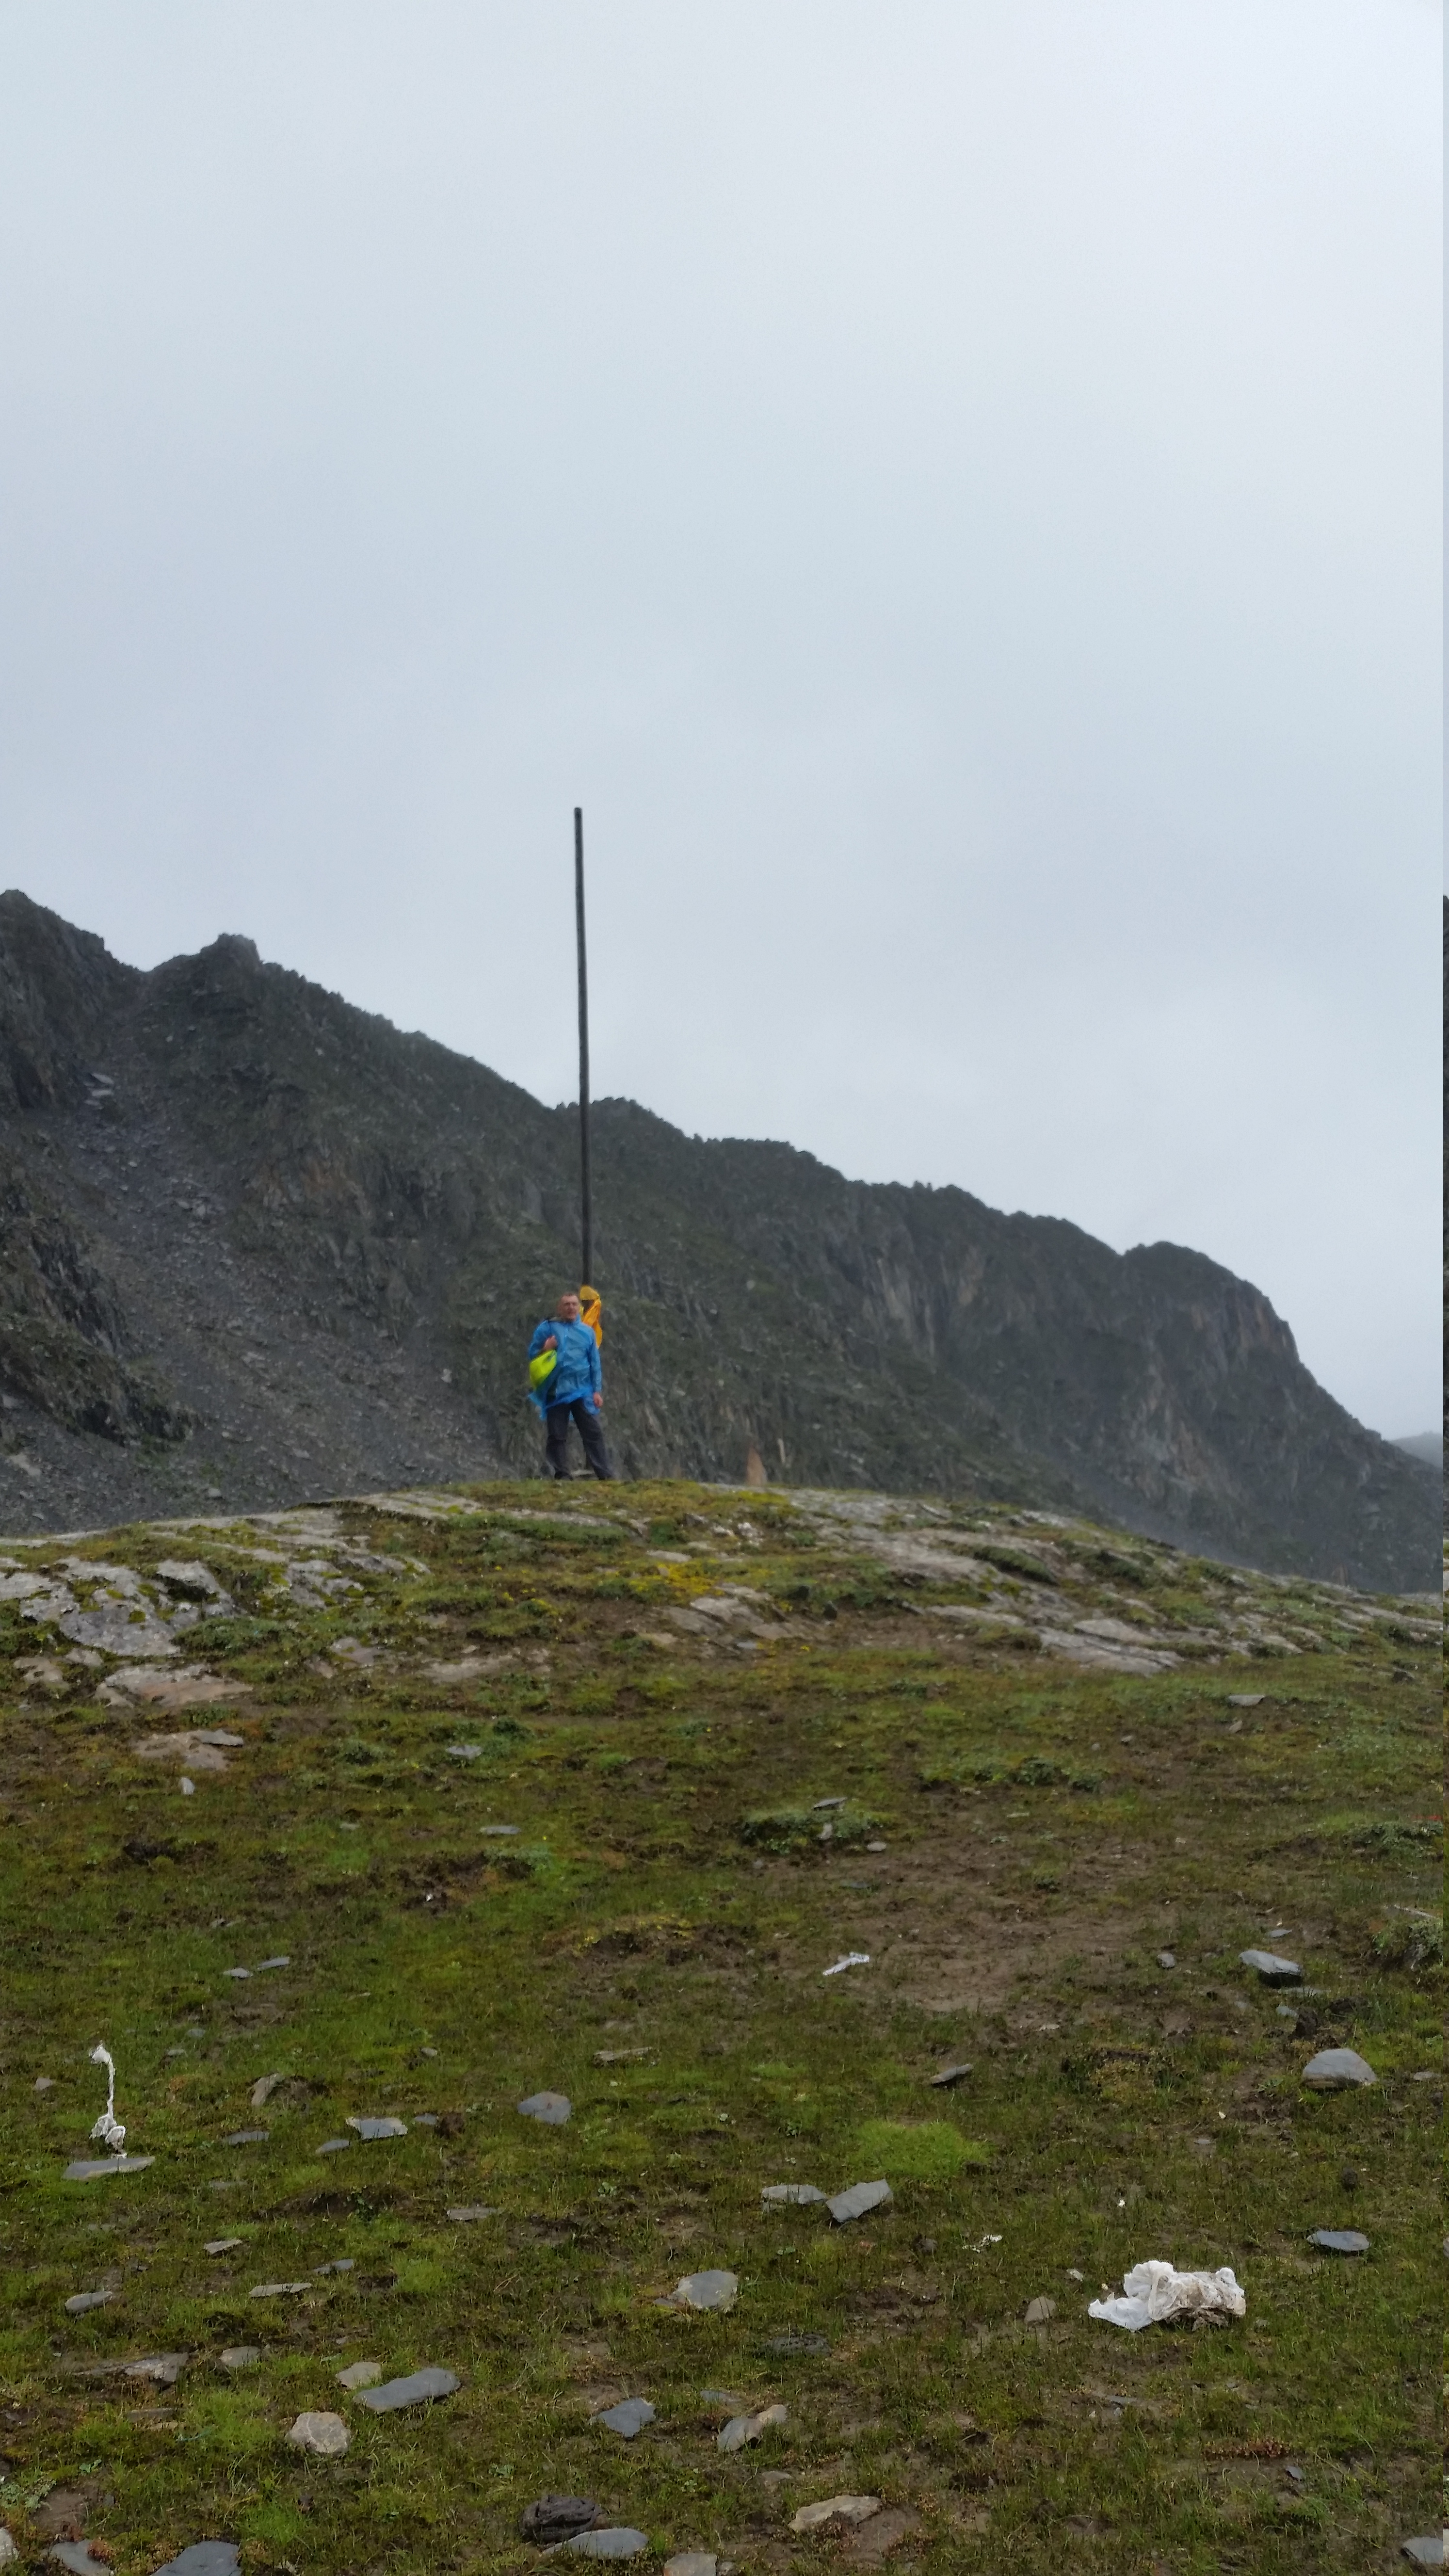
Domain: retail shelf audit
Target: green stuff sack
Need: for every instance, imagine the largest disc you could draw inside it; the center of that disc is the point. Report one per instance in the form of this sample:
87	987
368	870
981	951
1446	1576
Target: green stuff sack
541	1369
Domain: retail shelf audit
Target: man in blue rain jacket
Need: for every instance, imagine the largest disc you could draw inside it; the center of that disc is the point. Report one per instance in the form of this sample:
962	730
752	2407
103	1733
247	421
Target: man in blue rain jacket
573	1390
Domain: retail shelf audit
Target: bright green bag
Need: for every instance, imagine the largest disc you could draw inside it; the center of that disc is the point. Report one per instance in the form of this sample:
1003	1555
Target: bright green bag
541	1369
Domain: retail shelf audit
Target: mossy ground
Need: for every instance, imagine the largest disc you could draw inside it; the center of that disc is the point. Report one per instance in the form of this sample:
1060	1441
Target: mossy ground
1047	1832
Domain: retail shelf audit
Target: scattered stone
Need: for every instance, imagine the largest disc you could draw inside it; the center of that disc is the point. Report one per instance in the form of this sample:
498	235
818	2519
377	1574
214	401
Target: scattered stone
620	2541
344	2263
425	2120
1040	2311
796	2343
264	1964
1336	2070
459	1752
84	2300
858	2201
877	1847
418	2389
205	2558
552	2108
498	1833
45	2083
165	2368
236	1973
883	2533
821	1803
1246	1699
1339	2240
333	2146
200	1748
1167	1958
323	2434
360	2374
708	2290
947	2077
618	2056
1428	2552
8	2551
1271	1969
470	2213
240	2356
246	2137
556	2517
263	2089
851	1959
76	2555
91	2168
848	2511
279	2289
790	2195
628	2418
692	2562
748	2428
369	2129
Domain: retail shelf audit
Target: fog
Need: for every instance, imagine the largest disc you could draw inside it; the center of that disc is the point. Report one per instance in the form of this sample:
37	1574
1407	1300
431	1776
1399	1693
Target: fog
951	489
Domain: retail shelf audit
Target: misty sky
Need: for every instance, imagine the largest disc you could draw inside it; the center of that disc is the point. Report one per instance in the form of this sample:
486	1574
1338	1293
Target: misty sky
951	489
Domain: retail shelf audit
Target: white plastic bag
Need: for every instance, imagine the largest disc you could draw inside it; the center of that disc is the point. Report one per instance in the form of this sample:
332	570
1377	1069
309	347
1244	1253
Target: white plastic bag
1152	2292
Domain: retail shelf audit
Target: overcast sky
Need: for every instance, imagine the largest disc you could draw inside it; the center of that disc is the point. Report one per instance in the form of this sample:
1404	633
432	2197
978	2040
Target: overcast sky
951	489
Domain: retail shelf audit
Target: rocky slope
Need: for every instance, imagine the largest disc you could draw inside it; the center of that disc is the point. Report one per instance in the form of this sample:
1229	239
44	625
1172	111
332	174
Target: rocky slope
257	1246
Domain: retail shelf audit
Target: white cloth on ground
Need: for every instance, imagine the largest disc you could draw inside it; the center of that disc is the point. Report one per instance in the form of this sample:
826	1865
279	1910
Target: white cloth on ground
1152	2292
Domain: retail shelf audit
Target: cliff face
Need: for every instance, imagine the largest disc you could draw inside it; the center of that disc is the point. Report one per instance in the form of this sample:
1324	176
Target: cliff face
255	1245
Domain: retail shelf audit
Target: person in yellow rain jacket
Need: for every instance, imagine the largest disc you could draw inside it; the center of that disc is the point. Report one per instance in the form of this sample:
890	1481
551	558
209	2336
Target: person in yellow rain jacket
572	1390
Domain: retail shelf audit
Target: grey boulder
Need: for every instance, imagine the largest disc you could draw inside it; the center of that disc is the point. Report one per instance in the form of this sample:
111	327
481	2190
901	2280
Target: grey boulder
204	2558
1339	2240
716	2290
629	2417
1428	2552
1272	1970
418	2389
1336	2070
552	2108
858	2201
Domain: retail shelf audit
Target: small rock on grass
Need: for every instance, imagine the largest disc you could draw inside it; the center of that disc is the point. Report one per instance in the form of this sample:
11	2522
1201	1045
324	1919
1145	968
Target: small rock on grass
388	2128
240	2356
748	2428
1167	1958
223	2244
947	2076
76	2555
1246	1699
469	2212
360	2374
882	2534
1428	2552
8	2551
333	2146
1271	1969
279	2289
858	2201
1040	2312
84	2300
848	2511
798	2343
262	2091
620	2541
204	2558
552	2108
96	2168
556	2517
324	2435
706	2290
418	2389
1339	2240
692	2562
790	2195
1337	2070
628	2418
246	2137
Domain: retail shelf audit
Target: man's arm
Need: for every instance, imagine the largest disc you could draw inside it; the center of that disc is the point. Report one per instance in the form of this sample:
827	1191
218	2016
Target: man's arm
544	1339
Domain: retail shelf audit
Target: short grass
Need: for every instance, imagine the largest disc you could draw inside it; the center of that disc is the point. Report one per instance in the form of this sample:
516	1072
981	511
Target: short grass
652	1942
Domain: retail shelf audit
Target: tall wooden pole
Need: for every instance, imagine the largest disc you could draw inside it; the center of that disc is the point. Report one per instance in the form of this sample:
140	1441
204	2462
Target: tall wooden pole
586	1191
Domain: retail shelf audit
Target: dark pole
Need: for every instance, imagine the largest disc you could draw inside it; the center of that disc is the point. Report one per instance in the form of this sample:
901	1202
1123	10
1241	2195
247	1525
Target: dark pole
585	1174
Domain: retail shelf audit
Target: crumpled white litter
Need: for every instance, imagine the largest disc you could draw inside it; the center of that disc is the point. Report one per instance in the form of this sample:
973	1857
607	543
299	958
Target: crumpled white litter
108	2128
1153	2292
852	1959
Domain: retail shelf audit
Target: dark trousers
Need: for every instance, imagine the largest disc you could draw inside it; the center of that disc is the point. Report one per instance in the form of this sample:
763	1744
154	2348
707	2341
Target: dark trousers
591	1432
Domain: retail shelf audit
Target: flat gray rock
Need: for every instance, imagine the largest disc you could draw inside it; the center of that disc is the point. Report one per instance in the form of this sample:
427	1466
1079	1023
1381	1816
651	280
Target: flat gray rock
793	2343
558	2517
629	2417
706	2290
1167	1958
552	2108
1428	2552
1040	2311
1246	1699
498	1833
263	1964
1339	2240
325	2435
464	1752
246	2137
425	2119
279	2289
621	2541
204	2558
692	2562
1334	2070
748	2428
76	2554
240	2356
360	2374
469	2213
223	2244
858	2201
388	2128
948	2076
333	2146
94	2168
1272	1970
418	2389
790	2195
343	2263
84	2300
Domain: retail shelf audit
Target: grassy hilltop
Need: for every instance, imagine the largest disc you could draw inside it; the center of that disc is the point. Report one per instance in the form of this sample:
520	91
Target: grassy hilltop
1032	1809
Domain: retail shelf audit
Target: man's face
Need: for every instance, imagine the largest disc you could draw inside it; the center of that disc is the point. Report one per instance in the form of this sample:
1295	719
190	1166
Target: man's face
568	1310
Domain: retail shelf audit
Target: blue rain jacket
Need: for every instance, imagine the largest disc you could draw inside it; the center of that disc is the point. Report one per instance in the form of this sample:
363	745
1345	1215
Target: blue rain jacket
580	1370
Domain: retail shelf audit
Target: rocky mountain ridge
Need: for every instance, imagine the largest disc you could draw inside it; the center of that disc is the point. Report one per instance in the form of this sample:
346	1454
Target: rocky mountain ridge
258	1247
